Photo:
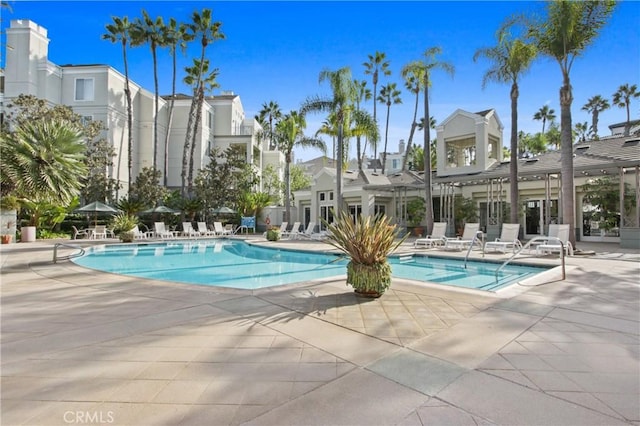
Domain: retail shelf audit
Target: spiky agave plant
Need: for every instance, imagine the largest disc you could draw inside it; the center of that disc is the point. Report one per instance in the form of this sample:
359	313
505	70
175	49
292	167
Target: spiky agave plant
367	241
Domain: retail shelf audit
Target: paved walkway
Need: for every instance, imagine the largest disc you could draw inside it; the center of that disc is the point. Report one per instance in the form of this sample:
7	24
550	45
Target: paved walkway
83	347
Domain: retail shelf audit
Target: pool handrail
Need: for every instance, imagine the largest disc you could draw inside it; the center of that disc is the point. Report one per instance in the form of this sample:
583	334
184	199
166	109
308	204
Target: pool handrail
528	245
473	241
69	256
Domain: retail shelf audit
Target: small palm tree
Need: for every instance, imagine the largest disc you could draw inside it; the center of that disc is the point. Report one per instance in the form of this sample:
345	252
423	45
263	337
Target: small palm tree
118	32
389	95
581	130
545	114
595	105
289	133
42	161
622	98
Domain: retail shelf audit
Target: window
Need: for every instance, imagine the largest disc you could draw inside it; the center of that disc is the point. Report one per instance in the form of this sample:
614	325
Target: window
394	164
355	210
379	209
331	196
84	89
86	119
322	196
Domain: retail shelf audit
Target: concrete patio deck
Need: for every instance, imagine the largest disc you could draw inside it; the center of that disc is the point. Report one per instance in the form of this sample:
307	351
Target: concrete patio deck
84	347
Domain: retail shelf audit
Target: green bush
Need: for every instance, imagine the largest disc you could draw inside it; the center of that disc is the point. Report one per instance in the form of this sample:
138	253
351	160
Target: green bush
273	234
123	222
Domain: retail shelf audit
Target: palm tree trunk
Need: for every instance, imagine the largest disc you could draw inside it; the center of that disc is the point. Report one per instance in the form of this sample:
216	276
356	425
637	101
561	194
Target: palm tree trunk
513	166
339	165
187	144
287	184
169	121
127	92
193	140
627	126
411	133
359	153
568	193
427	158
386	136
155	116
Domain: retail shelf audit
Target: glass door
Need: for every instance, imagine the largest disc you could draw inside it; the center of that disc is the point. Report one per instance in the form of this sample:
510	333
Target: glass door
533	218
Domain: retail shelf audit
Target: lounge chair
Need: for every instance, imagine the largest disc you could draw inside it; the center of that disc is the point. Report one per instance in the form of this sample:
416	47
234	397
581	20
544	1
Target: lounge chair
293	232
508	239
138	234
467	239
220	230
436	238
203	230
80	233
188	231
557	233
161	231
309	232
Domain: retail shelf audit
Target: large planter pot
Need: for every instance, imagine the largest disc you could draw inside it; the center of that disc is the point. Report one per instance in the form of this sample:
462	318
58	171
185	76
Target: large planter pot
369	280
6	239
28	234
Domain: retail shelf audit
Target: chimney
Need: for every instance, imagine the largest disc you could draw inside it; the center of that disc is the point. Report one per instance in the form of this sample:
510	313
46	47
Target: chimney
401	146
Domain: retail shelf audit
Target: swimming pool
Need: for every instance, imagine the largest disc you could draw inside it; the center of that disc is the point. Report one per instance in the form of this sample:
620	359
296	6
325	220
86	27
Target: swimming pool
236	264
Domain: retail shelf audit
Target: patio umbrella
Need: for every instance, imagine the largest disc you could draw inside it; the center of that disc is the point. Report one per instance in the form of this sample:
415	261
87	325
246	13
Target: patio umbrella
160	209
95	208
223	210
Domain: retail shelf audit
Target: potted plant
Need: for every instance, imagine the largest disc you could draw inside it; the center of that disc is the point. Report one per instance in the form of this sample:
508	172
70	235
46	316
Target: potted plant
273	234
415	214
122	225
126	236
367	241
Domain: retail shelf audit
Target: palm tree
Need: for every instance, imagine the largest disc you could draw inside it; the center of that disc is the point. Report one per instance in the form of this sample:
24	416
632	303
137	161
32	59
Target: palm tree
341	104
545	114
377	64
329	127
207	82
175	36
413	80
581	130
42	161
567	31
362	94
622	98
510	58
118	32
427	65
271	111
289	133
389	95
207	31
595	106
147	30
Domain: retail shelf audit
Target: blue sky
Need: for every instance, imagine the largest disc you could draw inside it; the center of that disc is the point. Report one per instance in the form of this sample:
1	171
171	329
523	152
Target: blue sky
276	50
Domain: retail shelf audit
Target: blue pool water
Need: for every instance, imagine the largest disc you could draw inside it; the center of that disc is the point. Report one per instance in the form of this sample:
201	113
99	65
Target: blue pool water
236	264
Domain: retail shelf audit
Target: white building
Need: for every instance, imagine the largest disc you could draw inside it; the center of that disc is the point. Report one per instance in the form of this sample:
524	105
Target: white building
97	92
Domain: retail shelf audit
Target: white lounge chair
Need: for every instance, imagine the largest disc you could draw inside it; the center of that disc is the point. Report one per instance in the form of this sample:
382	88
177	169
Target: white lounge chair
220	230
508	239
294	231
436	238
557	233
138	234
161	231
99	232
203	230
468	238
188	231
309	232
